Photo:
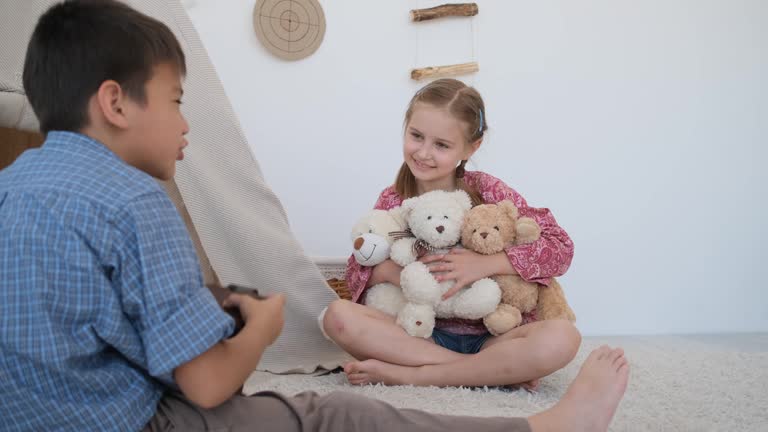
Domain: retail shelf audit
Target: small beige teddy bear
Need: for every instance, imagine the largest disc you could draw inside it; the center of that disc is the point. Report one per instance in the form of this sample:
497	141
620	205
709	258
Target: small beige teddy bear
488	229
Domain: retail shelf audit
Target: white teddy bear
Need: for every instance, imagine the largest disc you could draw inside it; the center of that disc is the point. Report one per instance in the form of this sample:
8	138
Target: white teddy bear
371	242
436	219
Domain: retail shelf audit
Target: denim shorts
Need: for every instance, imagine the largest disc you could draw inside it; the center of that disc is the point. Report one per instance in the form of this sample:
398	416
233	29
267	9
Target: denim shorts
464	344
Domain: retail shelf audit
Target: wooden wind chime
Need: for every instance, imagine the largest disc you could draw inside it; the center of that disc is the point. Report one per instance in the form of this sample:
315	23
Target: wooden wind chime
460	9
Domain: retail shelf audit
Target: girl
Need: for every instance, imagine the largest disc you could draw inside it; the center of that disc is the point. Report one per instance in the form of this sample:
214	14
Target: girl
444	126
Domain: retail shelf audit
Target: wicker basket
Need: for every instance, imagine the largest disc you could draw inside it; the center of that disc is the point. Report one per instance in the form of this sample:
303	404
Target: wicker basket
340	286
334	270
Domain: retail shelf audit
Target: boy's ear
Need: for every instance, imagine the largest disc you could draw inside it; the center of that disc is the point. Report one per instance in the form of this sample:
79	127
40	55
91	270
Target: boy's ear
111	103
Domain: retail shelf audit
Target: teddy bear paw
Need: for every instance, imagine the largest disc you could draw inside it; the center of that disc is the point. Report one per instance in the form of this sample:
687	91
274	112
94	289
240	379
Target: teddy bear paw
503	319
417	320
386	298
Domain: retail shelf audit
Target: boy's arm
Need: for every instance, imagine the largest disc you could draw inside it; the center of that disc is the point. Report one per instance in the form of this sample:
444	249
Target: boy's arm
183	329
215	375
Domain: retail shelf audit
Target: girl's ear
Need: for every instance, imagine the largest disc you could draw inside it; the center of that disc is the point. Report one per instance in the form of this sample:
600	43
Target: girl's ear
472	148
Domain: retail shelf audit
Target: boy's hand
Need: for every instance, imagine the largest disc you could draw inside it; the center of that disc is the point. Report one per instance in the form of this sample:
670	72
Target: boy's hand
215	375
266	314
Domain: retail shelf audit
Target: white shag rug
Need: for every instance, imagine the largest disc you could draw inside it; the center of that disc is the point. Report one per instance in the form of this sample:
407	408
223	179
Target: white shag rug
677	383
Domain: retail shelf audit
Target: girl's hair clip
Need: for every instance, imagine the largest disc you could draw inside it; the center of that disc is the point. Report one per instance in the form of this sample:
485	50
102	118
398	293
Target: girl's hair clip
480	128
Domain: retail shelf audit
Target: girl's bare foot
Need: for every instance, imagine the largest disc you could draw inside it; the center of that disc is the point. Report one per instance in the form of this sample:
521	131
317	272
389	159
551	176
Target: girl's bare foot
592	398
531	385
376	371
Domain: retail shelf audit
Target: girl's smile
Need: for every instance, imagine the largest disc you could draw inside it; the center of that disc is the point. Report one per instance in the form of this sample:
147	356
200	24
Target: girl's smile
421	165
434	143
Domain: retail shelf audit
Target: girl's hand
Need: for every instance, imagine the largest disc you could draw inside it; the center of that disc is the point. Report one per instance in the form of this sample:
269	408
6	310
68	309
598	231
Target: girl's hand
386	271
467	267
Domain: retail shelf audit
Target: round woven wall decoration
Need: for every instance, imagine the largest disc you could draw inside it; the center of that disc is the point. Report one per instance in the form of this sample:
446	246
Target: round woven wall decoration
289	29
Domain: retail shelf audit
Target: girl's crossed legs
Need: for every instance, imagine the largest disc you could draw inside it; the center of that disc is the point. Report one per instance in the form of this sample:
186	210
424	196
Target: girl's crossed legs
387	354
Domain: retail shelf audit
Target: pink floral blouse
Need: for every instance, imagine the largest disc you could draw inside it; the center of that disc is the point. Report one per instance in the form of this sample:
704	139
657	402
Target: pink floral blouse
548	257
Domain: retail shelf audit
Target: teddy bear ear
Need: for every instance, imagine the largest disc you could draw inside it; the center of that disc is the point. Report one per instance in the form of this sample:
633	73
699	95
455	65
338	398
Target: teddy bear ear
398	214
407	206
463	199
360	226
509	210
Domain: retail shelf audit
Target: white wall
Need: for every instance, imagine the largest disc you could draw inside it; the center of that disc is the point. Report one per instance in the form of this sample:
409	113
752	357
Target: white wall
641	124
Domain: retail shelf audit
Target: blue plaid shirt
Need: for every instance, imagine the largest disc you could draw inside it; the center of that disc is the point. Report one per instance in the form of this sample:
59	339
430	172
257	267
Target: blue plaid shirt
101	294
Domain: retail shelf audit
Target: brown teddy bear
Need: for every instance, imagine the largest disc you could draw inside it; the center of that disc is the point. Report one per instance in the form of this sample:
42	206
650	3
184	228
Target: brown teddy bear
488	229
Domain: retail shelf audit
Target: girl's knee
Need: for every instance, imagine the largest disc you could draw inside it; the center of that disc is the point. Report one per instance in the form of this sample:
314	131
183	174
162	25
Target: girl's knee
337	318
564	340
555	344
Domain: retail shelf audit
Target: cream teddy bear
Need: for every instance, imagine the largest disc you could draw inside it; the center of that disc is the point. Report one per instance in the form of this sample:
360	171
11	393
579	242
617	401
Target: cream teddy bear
371	240
435	219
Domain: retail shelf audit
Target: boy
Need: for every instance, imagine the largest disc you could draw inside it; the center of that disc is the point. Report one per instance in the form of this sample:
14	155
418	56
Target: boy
104	320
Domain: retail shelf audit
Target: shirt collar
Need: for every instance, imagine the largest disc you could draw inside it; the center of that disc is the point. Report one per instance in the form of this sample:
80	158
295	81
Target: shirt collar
78	144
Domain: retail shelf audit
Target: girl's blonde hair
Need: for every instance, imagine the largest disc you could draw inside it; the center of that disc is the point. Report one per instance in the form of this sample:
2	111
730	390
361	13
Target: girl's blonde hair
466	105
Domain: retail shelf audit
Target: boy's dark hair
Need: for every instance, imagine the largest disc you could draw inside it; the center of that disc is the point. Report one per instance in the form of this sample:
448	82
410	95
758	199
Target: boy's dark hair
79	44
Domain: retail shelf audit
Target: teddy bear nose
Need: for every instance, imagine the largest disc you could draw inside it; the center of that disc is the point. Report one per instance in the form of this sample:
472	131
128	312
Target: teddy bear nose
483	235
440	229
359	243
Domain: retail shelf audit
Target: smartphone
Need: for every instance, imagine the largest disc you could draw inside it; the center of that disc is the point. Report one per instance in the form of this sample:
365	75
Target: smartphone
221	294
240	289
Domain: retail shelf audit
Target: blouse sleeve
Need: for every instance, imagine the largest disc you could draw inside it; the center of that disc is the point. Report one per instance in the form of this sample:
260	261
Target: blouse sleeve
357	276
550	255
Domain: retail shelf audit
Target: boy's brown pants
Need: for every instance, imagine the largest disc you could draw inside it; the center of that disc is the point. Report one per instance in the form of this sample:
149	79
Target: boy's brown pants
308	411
